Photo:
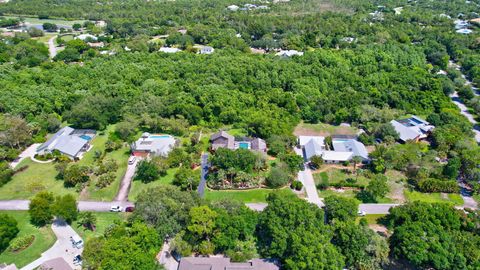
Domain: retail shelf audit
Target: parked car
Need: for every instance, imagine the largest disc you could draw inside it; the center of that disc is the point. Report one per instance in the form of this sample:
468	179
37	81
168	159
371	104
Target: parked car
132	160
77	242
116	208
77	260
129	209
361	213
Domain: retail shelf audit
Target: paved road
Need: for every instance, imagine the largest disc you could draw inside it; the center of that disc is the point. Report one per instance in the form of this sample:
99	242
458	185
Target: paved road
62	247
203	175
122	194
29	152
52	50
368	208
82	205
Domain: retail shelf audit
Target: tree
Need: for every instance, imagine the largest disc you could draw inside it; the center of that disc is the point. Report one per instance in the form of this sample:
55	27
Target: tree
8	230
15	131
293	230
87	220
35	32
278	177
202	223
166	208
40	208
387	130
76	26
147	171
340	208
293	161
356	160
316	161
378	186
186	179
76	174
65	207
50	27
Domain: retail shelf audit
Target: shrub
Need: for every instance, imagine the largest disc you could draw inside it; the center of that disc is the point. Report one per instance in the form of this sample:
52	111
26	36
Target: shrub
8	230
278	177
297	185
436	185
21	243
105	180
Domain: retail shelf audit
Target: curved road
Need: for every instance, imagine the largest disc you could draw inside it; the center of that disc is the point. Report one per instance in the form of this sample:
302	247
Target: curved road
52	50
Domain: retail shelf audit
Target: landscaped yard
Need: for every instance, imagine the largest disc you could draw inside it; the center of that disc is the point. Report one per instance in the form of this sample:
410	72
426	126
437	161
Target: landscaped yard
337	175
451	198
36	178
245	196
371	218
138	187
103	221
44	239
59	22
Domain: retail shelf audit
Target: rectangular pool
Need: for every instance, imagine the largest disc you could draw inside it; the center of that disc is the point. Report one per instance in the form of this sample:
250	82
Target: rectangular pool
159	136
244	145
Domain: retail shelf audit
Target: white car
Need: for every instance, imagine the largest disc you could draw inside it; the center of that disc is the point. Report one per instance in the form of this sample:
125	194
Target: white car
77	242
361	213
116	208
77	260
131	160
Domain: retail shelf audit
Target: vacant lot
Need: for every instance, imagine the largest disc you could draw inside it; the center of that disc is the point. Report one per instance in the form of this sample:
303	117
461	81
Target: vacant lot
452	198
44	239
323	130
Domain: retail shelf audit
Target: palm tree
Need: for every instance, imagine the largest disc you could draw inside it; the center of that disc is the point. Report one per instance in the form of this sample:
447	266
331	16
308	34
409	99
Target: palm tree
87	219
356	160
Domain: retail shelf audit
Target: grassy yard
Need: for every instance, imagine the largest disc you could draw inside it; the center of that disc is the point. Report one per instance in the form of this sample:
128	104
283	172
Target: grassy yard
452	198
245	196
323	130
138	187
36	178
371	219
345	193
45	38
103	221
59	22
44	239
336	175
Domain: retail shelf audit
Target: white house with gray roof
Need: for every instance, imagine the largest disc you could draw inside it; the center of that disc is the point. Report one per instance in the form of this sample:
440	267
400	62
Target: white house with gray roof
343	149
153	145
68	141
412	129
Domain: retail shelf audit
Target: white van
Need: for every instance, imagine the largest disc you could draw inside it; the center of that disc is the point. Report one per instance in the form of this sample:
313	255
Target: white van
77	242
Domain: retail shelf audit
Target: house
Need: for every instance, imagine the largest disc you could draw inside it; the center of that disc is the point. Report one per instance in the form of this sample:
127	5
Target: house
169	50
153	145
182	31
288	53
344	149
233	7
55	264
204	49
101	24
68	141
221	263
85	37
412	129
222	139
96	44
257	51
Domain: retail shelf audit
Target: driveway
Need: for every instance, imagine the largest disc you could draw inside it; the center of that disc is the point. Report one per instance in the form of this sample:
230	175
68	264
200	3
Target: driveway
306	178
52	50
166	259
122	194
203	175
29	152
376	208
62	247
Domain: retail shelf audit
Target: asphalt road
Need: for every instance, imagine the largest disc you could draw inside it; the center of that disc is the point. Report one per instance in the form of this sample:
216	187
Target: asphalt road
368	208
52	50
82	205
203	175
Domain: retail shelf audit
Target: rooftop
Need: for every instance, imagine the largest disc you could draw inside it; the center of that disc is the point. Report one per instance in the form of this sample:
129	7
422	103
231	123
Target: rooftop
221	263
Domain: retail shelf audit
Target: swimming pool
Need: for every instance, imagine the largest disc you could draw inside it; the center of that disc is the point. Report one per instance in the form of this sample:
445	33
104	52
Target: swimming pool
86	137
159	136
244	145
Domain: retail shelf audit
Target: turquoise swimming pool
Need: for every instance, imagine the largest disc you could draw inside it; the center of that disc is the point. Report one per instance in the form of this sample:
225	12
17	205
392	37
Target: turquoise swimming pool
244	145
159	136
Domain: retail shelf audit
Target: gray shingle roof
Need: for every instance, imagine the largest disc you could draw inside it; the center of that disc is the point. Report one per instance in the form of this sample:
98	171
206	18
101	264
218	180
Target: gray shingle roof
221	263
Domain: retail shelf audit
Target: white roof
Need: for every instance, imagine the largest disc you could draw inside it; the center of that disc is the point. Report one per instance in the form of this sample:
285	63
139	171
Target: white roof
336	156
351	145
169	50
406	133
157	146
289	53
70	145
313	148
303	140
85	36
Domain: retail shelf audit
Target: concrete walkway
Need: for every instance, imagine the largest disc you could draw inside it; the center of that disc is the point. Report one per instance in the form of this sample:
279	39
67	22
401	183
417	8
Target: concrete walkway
27	153
166	259
62	247
122	194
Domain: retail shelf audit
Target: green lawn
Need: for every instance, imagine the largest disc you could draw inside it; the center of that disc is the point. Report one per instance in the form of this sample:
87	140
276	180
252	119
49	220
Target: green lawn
371	219
346	193
45	38
245	196
337	175
36	20
138	187
36	178
452	198
103	221
44	239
